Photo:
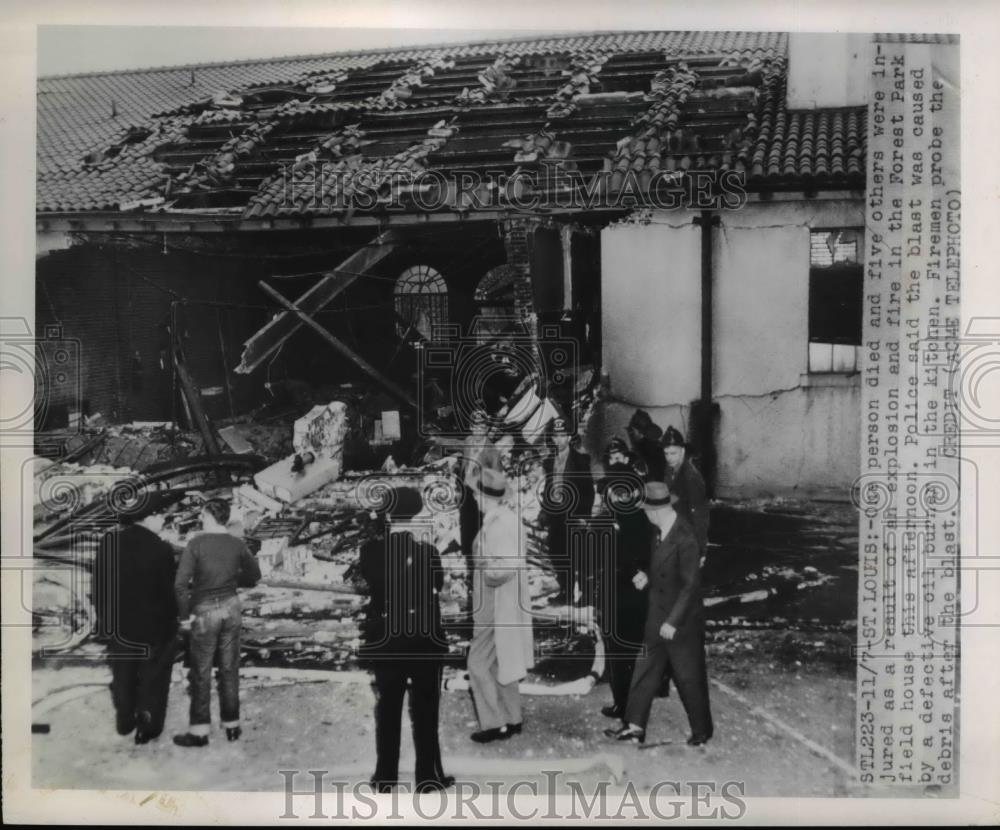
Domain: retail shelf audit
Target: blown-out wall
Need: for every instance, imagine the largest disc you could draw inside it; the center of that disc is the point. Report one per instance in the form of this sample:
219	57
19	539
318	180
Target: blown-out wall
781	429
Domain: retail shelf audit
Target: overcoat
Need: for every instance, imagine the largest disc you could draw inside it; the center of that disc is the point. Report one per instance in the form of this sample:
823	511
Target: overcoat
675	586
691	503
500	592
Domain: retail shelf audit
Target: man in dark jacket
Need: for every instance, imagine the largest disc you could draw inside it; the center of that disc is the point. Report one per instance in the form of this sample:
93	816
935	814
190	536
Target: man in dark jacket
567	503
133	592
622	623
674	635
404	642
645	437
687	487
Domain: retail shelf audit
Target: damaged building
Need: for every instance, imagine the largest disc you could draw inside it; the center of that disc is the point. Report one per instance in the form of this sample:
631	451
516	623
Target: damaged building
671	218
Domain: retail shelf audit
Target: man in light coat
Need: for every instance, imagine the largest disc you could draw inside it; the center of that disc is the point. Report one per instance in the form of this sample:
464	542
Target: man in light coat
478	452
502	647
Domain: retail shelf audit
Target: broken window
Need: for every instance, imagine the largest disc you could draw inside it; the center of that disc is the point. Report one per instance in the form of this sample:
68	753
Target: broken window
494	298
421	302
835	299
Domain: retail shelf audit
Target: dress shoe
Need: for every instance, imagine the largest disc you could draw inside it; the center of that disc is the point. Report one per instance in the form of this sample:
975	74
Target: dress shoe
189	740
629	733
613	711
431	785
698	740
484	736
145	737
233	733
514	729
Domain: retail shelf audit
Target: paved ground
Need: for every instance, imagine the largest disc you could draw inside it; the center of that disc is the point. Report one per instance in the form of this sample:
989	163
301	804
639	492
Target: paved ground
782	581
328	725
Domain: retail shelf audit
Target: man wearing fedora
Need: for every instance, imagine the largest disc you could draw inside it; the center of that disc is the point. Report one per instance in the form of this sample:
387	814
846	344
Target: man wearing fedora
567	503
687	487
674	635
404	641
502	647
645	438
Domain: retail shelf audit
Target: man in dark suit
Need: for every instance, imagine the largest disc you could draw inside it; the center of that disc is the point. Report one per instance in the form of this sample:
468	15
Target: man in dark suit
645	437
404	642
567	503
674	634
133	592
687	487
622	622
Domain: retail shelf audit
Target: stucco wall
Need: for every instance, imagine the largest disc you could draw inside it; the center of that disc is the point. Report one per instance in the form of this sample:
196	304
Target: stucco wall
781	432
647	294
828	69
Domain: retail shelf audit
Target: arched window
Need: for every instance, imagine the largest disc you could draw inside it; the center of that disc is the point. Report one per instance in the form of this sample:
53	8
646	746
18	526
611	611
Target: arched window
421	300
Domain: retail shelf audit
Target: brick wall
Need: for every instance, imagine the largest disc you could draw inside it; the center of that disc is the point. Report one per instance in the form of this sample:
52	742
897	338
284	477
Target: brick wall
518	235
118	304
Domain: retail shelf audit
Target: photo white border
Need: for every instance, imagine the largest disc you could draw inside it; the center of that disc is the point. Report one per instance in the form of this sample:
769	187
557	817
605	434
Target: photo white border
975	22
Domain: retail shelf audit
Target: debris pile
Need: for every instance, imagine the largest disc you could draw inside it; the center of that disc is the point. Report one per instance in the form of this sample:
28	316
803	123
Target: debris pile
304	516
59	488
318	442
583	74
496	82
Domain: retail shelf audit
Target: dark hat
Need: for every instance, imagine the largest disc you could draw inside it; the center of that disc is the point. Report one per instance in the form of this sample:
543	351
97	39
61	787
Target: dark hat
399	505
493	483
640	420
657	495
652	433
617	445
673	438
560	426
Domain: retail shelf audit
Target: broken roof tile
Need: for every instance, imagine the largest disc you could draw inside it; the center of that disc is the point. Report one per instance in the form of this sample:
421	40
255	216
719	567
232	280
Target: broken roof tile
87	161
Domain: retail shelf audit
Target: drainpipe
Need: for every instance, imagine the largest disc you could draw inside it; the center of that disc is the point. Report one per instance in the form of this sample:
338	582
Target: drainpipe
704	416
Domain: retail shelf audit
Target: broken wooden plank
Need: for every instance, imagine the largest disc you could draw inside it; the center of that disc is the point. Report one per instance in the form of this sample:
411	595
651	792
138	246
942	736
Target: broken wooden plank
389	386
193	398
266	341
234	440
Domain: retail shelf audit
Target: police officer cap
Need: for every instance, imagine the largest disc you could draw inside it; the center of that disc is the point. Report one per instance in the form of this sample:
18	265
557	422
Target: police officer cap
673	438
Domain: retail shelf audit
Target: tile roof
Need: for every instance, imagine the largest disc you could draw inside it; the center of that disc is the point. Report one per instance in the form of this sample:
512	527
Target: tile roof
222	135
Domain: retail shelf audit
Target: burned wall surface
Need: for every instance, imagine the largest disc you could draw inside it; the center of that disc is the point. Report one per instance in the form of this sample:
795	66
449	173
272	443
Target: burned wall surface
119	296
782	430
120	304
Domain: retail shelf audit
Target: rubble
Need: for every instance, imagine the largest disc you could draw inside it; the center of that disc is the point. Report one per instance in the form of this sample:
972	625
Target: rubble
318	441
309	606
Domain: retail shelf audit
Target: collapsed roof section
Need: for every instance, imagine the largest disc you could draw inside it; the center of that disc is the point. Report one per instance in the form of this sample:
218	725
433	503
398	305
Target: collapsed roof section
309	136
